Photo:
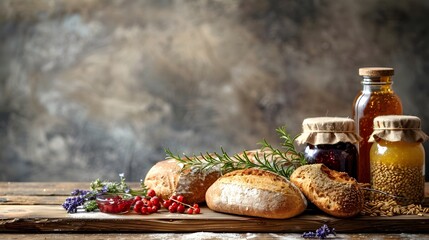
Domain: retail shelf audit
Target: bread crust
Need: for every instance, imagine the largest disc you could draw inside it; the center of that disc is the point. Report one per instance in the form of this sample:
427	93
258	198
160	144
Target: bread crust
333	192
167	179
255	192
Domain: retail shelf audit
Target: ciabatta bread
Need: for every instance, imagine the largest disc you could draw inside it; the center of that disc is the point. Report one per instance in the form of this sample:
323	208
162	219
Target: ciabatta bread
167	179
255	192
333	192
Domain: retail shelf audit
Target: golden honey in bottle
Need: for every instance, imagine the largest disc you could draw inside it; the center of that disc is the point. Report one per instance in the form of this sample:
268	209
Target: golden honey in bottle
377	98
397	158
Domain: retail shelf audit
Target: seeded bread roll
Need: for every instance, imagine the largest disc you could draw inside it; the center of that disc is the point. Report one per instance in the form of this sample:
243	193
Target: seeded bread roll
333	192
254	192
167	179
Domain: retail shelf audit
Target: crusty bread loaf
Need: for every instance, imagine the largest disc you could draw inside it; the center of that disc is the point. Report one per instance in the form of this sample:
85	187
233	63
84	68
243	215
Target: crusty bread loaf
167	179
333	192
255	192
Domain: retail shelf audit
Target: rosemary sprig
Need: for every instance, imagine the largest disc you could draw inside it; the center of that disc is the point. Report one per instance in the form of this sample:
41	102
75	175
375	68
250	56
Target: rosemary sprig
292	159
280	161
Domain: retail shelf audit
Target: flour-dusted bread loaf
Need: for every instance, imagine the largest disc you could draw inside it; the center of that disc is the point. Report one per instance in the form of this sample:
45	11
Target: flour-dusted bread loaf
254	192
333	192
167	179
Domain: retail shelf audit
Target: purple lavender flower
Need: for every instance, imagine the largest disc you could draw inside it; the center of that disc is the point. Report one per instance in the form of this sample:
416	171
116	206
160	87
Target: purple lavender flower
72	203
320	233
77	192
78	199
105	189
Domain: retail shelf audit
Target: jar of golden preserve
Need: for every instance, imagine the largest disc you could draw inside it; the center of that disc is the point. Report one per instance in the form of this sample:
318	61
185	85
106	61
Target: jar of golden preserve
331	141
377	98
397	157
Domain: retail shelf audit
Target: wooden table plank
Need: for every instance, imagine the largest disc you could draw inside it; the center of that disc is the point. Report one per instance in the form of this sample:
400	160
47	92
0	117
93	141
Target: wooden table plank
35	207
31	200
45	188
200	235
41	218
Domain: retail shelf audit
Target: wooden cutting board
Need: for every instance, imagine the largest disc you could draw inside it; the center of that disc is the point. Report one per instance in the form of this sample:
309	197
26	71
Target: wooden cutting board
35	207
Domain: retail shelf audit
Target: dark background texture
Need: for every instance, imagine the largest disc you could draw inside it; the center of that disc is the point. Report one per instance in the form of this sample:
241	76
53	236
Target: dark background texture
91	88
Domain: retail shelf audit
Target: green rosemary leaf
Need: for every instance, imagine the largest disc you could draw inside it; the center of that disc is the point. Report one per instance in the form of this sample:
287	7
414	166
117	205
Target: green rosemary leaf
281	161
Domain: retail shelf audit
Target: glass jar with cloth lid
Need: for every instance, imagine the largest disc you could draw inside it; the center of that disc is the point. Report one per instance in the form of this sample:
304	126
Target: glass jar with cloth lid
331	141
397	157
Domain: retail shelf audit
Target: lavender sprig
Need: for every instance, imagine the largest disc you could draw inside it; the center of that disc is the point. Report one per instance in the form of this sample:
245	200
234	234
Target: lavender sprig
321	233
72	203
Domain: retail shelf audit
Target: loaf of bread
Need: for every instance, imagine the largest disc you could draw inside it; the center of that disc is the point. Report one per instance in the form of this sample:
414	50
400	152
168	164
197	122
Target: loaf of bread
167	179
333	192
255	192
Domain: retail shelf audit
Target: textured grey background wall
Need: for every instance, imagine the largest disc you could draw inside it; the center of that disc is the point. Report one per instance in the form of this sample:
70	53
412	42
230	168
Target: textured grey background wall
92	88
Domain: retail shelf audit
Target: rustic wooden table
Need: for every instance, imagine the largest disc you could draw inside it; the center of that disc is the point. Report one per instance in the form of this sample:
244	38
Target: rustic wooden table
33	211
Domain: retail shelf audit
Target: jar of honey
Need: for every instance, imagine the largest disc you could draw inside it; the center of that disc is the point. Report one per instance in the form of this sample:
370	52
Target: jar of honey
397	158
331	141
377	98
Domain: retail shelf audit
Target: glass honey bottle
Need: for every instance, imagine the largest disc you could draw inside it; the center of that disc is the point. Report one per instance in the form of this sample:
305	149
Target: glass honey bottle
377	98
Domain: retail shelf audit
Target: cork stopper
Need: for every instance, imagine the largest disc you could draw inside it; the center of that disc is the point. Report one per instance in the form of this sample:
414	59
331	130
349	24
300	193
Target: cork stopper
376	71
398	128
328	130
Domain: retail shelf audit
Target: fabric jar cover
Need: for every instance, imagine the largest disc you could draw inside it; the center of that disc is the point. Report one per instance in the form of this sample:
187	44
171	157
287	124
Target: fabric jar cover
397	128
328	130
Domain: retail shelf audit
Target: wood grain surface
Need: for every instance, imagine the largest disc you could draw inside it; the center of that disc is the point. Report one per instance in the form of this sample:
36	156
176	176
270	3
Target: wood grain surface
35	208
201	236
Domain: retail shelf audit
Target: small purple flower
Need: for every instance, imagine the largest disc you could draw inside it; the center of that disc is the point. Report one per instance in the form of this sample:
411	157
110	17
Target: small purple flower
72	203
78	199
320	233
75	192
78	192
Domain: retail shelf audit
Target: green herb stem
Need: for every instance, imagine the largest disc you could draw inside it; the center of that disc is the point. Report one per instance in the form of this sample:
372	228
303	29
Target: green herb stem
280	161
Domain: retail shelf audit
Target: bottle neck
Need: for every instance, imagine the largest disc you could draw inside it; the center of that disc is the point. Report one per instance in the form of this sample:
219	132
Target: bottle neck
371	84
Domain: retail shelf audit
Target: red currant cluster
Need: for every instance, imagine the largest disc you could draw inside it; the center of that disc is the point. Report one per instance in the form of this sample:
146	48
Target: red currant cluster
148	205
176	204
152	203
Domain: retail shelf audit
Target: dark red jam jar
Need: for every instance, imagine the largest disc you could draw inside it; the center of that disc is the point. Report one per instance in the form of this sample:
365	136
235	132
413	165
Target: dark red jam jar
331	141
341	156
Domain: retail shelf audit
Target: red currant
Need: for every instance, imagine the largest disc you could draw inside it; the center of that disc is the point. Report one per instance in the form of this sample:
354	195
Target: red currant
181	208
189	211
137	198
154	209
180	198
166	203
149	210
137	206
155	201
172	208
148	204
144	210
174	197
195	205
151	193
196	210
